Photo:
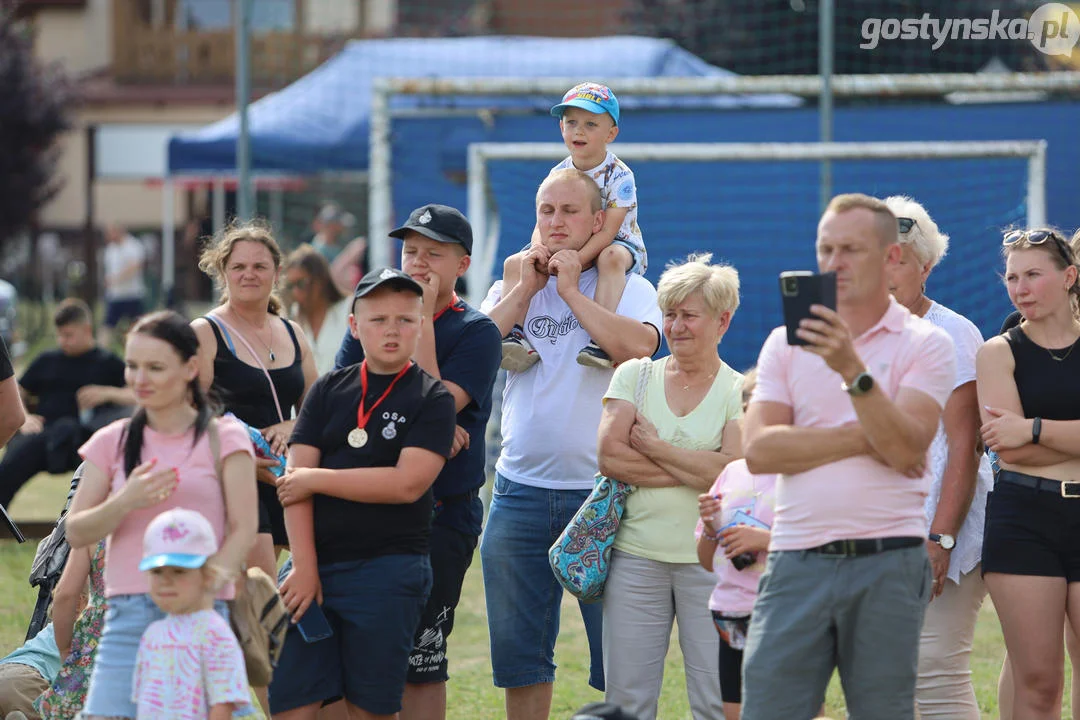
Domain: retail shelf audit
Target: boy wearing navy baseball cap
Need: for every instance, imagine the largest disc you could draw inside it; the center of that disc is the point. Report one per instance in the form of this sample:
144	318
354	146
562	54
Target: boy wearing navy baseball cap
368	444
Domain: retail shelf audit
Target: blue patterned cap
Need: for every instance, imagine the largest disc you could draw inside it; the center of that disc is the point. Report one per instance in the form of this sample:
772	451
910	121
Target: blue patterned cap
594	97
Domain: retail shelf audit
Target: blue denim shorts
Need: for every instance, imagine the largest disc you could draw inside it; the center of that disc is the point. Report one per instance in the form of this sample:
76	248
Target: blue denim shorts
373	606
641	260
523	596
126	617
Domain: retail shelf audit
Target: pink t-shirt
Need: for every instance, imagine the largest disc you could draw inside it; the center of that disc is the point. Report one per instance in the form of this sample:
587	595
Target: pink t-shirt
857	497
736	590
198	489
186	665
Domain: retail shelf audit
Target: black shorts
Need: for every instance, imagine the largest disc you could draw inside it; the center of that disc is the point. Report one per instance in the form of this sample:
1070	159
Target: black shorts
271	514
730	664
122	309
451	554
1031	532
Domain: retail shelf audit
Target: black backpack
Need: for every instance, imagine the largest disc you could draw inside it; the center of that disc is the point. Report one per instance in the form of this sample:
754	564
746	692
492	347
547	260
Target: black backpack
49	561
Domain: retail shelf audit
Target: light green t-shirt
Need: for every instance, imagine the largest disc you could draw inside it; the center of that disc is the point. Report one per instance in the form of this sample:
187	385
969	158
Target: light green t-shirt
659	522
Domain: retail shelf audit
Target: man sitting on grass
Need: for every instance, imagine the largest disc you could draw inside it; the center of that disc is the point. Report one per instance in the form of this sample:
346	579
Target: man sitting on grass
77	388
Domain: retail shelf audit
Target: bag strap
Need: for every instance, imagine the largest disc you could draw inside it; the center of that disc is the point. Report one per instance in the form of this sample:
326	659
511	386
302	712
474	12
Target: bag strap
215	451
642	382
241	338
214	438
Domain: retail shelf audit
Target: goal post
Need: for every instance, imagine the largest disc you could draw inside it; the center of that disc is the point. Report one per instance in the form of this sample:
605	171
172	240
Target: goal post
915	85
756	207
484	218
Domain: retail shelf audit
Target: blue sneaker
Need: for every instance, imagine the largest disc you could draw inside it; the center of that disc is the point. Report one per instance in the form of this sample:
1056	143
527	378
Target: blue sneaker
592	356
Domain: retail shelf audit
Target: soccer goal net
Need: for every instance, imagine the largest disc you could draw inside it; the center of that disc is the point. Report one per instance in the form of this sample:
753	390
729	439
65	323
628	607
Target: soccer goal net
756	206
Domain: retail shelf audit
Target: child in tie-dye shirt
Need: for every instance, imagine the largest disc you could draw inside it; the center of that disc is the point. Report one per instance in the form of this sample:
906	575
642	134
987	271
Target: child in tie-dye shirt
189	664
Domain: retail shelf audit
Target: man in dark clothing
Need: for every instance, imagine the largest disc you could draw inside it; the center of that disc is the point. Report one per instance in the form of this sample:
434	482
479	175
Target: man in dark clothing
73	390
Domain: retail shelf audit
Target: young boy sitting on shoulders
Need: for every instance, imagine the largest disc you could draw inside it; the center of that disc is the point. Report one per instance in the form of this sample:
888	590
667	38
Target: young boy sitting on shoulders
589	120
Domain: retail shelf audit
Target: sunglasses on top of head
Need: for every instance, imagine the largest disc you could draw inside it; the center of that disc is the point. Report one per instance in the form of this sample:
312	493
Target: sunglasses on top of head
1039	237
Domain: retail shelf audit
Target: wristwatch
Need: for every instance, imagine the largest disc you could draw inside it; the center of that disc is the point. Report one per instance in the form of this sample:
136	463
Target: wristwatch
946	541
861	385
1036	430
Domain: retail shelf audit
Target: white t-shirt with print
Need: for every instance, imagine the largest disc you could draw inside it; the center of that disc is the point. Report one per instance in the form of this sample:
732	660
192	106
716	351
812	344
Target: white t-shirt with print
551	412
618	190
968	551
119	256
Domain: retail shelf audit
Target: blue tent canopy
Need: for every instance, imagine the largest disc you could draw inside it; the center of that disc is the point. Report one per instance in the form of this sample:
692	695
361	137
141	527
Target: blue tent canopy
320	122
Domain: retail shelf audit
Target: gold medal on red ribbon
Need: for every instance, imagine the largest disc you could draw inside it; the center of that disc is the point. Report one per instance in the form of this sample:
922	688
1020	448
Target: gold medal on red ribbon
358	437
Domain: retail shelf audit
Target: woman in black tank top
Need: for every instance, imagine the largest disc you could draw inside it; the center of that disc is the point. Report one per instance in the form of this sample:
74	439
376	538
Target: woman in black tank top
1029	395
244	346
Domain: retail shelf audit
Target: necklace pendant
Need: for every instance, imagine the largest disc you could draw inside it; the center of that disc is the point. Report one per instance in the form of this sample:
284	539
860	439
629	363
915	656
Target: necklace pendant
272	357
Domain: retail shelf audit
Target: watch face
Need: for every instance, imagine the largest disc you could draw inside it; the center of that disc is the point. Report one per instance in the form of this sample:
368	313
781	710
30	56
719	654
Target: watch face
864	383
948	542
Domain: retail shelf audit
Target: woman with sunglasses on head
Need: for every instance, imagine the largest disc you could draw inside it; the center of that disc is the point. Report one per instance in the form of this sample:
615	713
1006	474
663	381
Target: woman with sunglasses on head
317	304
1072	644
1029	397
960	478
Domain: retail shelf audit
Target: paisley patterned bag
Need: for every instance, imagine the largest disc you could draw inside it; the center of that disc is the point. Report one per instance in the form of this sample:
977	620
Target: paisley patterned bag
580	558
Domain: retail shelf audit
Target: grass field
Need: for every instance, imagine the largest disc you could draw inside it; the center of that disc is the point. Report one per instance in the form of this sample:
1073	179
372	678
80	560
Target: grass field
471	694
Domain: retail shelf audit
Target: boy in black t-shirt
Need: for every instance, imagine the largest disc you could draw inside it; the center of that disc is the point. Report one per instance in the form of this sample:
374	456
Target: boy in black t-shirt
369	442
77	378
463	348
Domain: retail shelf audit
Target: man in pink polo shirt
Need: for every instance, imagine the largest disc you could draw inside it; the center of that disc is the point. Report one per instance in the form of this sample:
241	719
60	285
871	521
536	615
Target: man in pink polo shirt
846	420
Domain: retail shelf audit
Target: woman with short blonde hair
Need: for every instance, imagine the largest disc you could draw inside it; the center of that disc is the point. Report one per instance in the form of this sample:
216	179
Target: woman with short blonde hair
670	449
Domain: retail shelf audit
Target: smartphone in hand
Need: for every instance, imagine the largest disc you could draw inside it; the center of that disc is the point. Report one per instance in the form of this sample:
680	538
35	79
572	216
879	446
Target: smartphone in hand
799	289
313	625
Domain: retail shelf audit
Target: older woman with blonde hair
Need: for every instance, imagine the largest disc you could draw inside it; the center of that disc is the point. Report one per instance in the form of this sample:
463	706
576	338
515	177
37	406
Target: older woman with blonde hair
258	364
671	449
960	478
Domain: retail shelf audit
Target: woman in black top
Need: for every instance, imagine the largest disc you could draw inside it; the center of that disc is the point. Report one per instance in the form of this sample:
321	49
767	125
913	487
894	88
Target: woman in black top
1029	395
243	341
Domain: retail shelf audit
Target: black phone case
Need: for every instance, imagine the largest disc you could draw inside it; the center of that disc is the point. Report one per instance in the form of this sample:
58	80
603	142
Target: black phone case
801	289
11	526
313	625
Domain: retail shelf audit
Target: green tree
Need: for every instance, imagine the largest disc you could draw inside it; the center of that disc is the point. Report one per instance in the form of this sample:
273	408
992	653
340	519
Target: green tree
34	102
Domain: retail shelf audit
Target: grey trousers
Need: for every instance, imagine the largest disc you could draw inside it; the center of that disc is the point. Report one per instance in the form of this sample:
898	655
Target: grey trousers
641	599
814	613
